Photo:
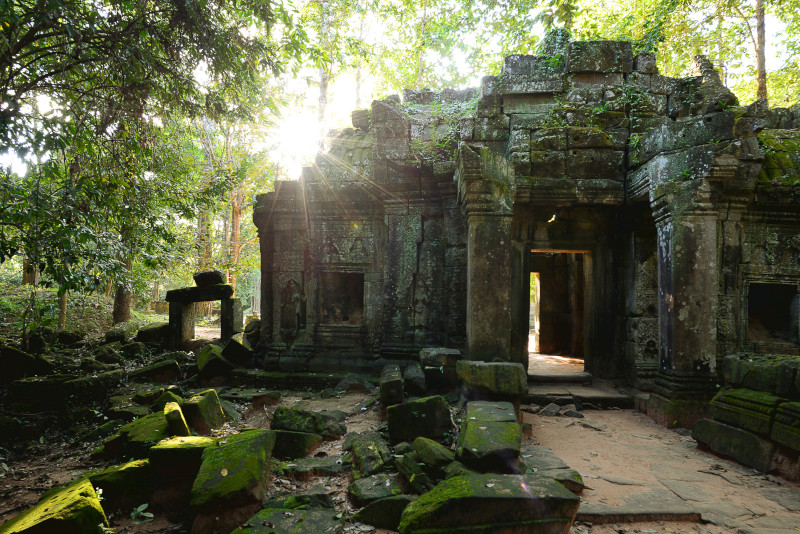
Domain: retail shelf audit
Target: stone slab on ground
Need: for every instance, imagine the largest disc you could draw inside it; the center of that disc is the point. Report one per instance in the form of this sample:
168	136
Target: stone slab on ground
428	417
304	468
543	461
600	394
741	445
687	491
498	378
385	513
374	487
272	520
653	505
786	497
490	503
490	438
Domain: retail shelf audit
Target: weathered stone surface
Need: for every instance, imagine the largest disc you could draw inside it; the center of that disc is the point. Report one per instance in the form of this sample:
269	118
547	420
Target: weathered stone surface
153	333
746	409
298	420
15	364
175	420
391	385
272	520
163	399
124	486
490	438
414	380
502	378
73	510
203	411
370	452
122	332
257	397
374	487
304	468
313	498
415	476
786	427
600	56
386	512
135	439
200	294
428	417
134	349
238	351
491	504
209	278
109	353
235	472
543	461
164	372
439	356
290	444
434	455
179	456
736	443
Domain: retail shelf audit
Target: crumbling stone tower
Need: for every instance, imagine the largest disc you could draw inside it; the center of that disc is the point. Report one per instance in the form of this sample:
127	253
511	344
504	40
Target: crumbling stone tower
661	215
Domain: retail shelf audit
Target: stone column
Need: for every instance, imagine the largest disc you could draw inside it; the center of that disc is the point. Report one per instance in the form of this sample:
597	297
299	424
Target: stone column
687	306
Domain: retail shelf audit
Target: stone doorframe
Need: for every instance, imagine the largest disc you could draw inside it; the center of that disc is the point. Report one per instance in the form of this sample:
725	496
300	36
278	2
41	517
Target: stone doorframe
182	312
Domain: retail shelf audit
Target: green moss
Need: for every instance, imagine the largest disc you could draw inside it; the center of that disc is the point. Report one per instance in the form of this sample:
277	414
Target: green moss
75	509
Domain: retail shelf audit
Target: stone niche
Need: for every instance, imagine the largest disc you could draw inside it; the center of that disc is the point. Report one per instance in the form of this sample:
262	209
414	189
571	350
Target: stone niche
669	214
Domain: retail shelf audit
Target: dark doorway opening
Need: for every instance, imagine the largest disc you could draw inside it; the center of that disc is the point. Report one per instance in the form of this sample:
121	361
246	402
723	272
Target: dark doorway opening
342	298
773	312
556	326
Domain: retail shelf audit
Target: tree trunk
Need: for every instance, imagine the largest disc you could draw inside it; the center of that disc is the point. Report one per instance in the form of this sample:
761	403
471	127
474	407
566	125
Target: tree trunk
203	309
122	301
30	274
62	310
237	199
421	53
761	62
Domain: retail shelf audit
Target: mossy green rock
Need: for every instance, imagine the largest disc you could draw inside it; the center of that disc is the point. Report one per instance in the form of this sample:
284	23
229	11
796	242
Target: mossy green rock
164	399
257	397
234	472
305	468
290	444
73	510
315	498
498	378
490	446
374	487
153	333
163	372
122	332
741	445
428	417
102	431
370	452
433	454
179	456
203	411
412	470
391	385
485	504
211	363
124	407
124	486
175	421
745	408
298	420
15	364
147	396
135	439
109	353
786	428
384	513
277	520
134	349
543	461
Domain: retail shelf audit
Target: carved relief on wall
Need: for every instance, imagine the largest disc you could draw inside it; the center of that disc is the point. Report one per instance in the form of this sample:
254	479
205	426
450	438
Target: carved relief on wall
352	243
779	250
418	299
292	305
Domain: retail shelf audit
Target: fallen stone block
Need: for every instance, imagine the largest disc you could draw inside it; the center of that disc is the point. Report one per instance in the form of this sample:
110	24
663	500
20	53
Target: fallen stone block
386	512
273	520
374	487
289	444
741	445
542	460
298	420
164	399
124	486
179	456
495	378
354	383
164	372
132	350
414	380
391	385
209	278
492	504
109	353
550	410
434	455
305	468
411	469
153	334
786	427
203	411
230	483
490	438
237	350
15	364
175	420
315	498
135	439
122	332
746	409
369	451
428	417
74	509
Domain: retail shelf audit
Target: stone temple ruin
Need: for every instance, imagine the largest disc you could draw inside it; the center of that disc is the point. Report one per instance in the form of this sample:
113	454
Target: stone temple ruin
661	217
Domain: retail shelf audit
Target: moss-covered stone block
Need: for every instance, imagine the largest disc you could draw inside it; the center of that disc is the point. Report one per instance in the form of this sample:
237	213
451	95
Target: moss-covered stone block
122	332
135	439
175	420
369	451
378	486
234	472
492	503
414	380
428	417
134	349
314	498
124	486
490	446
238	351
164	399
203	411
786	427
745	408
15	364
391	385
386	512
74	509
498	378
298	420
305	468
543	461
179	456
741	445
274	520
163	372
290	444
109	353
434	455
154	333
412	471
